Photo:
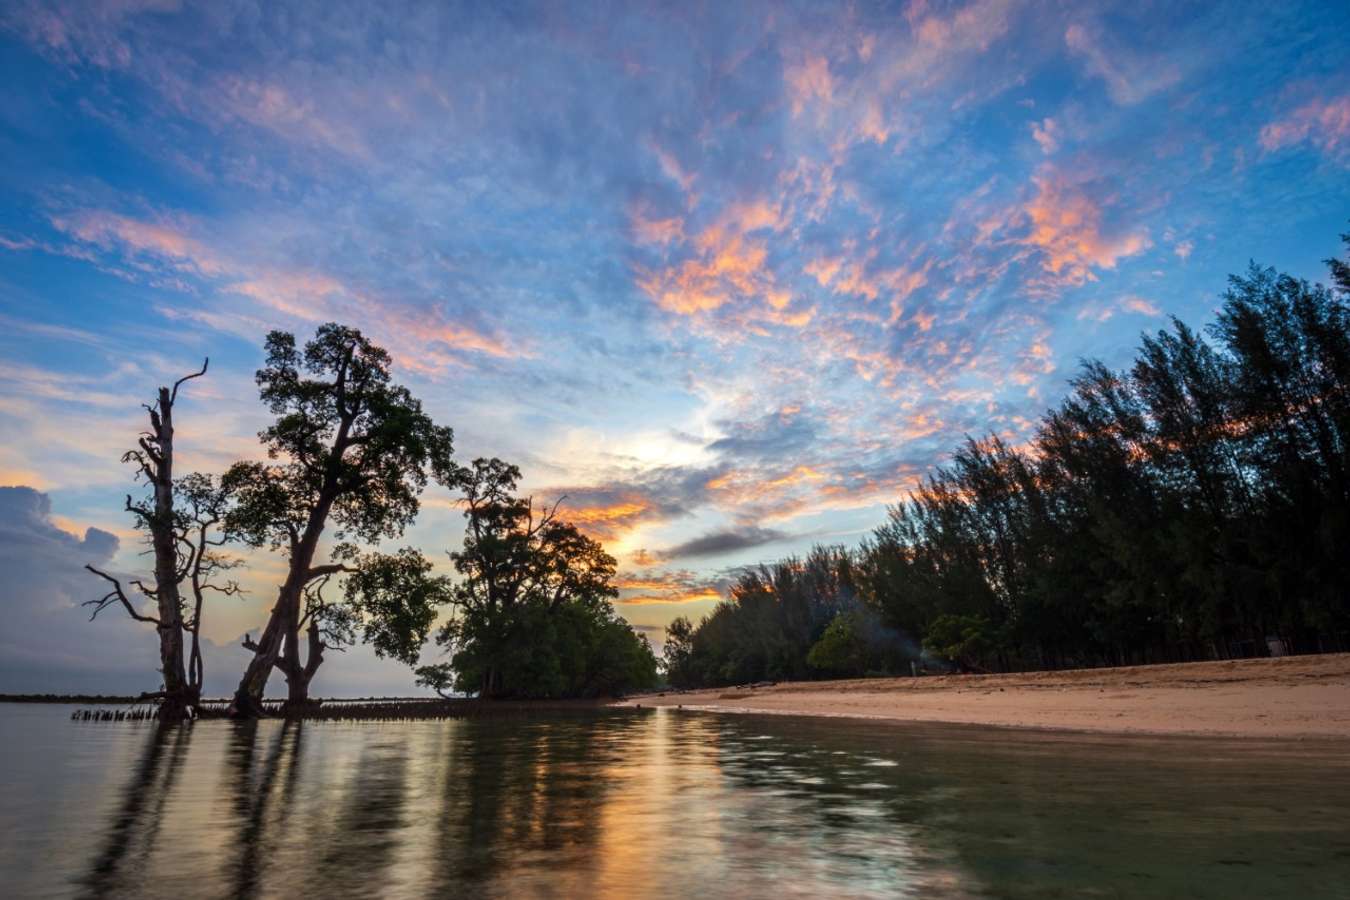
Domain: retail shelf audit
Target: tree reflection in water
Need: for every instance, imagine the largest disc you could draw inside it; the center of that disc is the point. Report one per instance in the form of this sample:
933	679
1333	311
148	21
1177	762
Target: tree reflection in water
259	804
661	803
135	827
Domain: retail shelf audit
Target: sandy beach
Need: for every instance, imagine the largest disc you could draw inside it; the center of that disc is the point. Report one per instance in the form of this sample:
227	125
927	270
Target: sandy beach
1289	697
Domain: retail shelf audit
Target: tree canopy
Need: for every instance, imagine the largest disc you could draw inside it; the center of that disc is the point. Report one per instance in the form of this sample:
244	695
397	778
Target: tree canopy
350	447
1195	504
532	614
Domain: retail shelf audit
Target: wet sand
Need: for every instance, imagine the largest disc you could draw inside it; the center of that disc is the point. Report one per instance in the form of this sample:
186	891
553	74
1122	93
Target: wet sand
1289	697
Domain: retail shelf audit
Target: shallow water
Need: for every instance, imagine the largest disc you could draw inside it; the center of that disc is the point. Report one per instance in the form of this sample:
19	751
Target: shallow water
657	803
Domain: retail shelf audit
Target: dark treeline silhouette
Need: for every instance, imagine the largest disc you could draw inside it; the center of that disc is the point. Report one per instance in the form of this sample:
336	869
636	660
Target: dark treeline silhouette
349	453
1195	505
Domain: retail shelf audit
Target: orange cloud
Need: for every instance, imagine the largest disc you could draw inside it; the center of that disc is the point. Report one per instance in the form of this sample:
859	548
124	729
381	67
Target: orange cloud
728	265
1137	304
657	231
1066	227
824	269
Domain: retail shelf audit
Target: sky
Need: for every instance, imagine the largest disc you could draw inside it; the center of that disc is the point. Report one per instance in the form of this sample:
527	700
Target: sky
731	277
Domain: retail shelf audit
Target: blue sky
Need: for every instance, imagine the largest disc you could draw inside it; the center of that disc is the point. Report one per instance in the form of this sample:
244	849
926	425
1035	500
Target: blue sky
730	276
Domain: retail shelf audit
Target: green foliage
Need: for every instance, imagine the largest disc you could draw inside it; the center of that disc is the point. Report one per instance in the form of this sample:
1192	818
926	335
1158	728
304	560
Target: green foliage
351	449
532	608
395	599
1187	506
572	650
440	677
346	443
842	649
776	615
968	641
677	656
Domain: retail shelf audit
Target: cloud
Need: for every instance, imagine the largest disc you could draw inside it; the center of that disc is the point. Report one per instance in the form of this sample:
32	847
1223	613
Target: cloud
1047	135
1130	77
73	32
1323	122
807	82
665	587
423	338
720	543
1140	305
1066	227
163	241
48	642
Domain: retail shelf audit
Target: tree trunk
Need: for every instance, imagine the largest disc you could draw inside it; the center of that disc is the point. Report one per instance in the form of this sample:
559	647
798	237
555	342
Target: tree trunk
283	625
174	708
248	696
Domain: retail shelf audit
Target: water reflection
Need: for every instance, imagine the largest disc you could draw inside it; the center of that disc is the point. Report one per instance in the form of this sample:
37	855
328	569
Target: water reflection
663	803
259	793
136	826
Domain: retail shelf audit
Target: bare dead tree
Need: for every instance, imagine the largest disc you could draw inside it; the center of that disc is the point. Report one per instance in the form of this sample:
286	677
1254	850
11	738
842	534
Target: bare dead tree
155	515
205	504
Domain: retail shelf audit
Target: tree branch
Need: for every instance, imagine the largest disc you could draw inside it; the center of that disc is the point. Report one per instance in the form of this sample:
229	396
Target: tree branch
174	395
116	594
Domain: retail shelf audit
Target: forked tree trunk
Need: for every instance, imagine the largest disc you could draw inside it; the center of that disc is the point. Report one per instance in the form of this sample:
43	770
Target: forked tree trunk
266	653
283	623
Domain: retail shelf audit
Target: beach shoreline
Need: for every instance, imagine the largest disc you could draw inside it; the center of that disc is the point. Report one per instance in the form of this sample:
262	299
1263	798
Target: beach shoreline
1292	697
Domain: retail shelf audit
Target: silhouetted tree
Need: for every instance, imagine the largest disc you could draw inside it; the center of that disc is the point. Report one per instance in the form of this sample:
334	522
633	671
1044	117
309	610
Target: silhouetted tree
154	460
1194	505
348	446
532	613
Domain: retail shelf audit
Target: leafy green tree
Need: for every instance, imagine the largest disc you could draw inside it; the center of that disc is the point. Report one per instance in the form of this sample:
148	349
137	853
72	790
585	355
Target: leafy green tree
677	656
967	641
532	614
842	649
347	447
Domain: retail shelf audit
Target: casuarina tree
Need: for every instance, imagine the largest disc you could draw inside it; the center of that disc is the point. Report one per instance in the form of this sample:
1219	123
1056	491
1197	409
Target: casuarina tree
349	448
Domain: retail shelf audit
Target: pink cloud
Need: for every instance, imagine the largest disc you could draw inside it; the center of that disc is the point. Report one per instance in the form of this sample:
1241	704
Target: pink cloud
1323	123
1047	134
1141	305
660	231
164	240
418	337
1130	77
807	82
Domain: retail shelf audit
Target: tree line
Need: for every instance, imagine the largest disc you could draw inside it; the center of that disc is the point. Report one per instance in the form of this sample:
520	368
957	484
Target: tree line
348	455
1194	505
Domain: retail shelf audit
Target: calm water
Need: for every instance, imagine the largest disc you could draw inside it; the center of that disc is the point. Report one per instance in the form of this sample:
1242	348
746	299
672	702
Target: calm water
658	803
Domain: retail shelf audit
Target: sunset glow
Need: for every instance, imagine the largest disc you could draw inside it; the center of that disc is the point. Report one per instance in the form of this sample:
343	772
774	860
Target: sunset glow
725	279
